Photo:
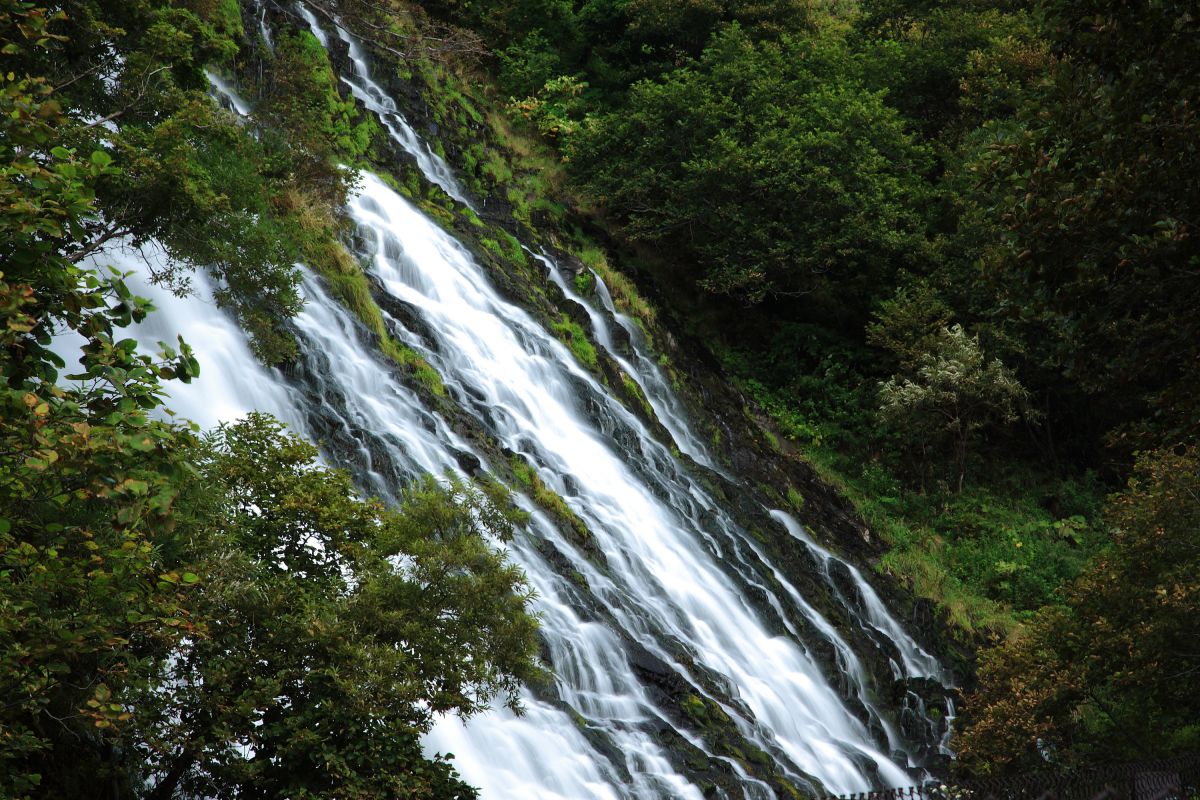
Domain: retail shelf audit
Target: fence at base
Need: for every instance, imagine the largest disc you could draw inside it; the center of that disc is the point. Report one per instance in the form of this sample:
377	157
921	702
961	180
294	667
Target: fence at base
1168	779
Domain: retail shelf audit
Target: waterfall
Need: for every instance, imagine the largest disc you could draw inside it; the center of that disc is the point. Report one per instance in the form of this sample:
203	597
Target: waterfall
915	662
672	613
669	548
646	372
377	101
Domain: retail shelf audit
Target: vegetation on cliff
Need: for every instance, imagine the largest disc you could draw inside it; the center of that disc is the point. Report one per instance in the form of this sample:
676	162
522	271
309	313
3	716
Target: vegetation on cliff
946	247
186	614
949	249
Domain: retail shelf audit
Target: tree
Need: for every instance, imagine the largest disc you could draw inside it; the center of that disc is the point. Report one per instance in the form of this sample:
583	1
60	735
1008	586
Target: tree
1110	675
928	57
909	324
335	629
90	591
772	166
954	395
148	630
1093	204
210	190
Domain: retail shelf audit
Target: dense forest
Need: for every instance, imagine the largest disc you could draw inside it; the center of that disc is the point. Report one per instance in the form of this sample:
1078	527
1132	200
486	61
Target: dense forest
943	249
948	248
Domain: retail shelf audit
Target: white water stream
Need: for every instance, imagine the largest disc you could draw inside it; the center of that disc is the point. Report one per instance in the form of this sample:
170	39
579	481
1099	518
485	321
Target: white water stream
671	591
377	101
646	514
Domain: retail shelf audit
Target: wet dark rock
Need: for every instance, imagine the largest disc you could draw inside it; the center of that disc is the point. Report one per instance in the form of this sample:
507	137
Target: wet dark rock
469	463
763	476
406	315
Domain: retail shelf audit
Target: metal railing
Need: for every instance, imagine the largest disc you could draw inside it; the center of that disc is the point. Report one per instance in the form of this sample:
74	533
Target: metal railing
1167	779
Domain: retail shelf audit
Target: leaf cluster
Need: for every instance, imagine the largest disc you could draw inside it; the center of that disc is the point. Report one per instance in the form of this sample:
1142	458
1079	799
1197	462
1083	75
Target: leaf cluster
1110	674
214	616
770	164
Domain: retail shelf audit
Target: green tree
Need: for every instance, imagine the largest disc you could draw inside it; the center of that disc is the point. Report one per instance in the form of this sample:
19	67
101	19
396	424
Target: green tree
1110	675
323	131
921	52
1092	204
206	188
909	324
953	396
335	629
769	164
130	550
89	588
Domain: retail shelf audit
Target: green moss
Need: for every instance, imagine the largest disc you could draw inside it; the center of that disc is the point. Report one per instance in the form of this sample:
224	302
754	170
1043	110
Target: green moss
577	718
694	707
576	340
493	247
787	786
635	393
496	169
227	19
523	472
516	253
795	499
624	294
438	213
417	366
473	218
315	230
505	247
585	282
549	500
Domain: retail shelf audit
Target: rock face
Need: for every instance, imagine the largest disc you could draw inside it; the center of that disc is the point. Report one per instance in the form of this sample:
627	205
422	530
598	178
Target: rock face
752	477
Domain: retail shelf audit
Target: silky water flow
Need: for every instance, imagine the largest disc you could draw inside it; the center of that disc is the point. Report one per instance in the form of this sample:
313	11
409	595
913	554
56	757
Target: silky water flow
671	585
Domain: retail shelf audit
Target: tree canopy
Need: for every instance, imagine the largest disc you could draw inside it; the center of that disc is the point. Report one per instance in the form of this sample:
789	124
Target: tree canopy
772	164
188	615
1112	673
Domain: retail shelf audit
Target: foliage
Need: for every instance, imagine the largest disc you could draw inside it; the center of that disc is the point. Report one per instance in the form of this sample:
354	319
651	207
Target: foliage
771	164
1091	197
205	186
989	555
303	102
90	588
90	583
954	393
555	108
1109	675
221	617
527	64
335	628
909	324
923	54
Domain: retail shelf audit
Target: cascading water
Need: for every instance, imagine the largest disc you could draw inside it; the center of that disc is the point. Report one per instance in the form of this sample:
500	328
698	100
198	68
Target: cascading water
670	604
672	598
646	372
377	101
915	662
